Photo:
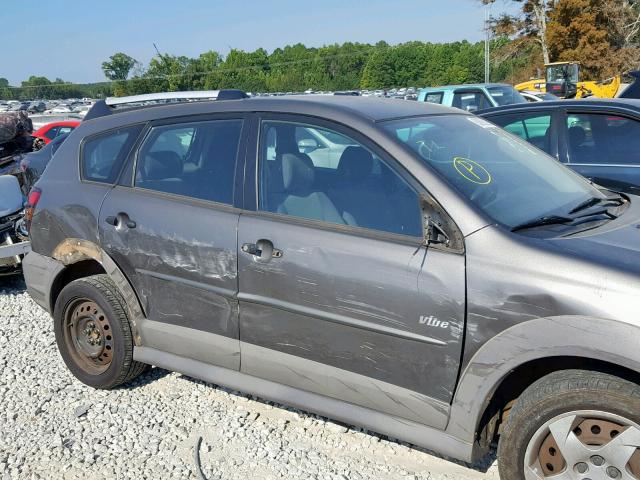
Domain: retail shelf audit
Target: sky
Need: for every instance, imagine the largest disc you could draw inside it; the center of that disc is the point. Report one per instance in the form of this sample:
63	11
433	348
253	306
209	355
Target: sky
70	39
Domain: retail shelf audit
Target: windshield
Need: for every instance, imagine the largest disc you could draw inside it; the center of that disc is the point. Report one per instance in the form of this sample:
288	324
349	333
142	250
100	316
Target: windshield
506	95
504	176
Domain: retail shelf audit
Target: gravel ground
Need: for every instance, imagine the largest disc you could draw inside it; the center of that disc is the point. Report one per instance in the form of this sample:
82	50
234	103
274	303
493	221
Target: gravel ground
53	427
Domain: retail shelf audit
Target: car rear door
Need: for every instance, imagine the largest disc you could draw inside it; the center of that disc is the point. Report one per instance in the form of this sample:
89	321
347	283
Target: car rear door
171	226
604	146
337	296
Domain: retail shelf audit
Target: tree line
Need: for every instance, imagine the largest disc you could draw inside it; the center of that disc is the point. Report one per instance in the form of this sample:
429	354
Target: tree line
293	68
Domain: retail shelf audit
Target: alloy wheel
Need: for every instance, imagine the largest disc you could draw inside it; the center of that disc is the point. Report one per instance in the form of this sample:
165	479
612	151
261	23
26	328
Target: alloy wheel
584	445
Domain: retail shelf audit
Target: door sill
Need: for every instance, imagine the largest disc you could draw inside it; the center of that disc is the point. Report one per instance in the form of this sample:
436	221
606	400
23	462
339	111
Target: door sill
405	430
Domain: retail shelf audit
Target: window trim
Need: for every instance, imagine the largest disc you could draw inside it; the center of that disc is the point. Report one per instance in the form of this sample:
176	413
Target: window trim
104	133
132	162
340	128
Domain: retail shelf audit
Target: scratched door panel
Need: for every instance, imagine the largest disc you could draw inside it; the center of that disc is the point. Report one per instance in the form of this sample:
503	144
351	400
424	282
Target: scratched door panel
181	258
364	307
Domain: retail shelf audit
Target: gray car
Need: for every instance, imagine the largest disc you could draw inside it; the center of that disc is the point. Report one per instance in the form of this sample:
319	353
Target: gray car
443	283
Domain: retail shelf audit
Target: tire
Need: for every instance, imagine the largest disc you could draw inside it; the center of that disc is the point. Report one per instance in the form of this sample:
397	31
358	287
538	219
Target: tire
93	333
591	407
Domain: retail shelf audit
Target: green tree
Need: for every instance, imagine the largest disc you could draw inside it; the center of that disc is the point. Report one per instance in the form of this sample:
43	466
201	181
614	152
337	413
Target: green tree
118	66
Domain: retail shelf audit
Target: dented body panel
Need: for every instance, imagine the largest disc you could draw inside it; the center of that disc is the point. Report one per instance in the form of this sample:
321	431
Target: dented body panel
184	267
354	304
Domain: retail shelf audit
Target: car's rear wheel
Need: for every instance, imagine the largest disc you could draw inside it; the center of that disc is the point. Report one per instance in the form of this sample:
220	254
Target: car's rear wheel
573	424
93	333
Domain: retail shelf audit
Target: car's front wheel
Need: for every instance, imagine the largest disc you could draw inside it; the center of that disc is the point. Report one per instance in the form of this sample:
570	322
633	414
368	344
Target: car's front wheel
93	333
573	424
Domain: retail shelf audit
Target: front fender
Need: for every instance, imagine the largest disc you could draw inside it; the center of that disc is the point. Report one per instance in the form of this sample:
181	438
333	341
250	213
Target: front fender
611	341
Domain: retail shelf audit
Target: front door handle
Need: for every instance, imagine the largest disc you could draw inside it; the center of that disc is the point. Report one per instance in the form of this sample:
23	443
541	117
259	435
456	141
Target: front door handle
263	250
120	220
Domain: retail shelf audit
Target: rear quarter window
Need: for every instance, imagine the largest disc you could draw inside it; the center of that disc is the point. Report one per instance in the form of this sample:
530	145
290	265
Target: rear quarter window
102	155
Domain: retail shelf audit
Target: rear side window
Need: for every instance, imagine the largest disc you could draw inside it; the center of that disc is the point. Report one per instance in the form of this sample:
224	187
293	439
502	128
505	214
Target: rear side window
103	155
534	128
64	130
52	133
195	160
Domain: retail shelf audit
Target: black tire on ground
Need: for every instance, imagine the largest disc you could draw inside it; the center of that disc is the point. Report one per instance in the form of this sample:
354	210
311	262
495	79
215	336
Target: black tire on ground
556	394
101	290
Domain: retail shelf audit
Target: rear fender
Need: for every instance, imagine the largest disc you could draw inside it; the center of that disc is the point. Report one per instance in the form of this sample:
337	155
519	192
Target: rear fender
73	250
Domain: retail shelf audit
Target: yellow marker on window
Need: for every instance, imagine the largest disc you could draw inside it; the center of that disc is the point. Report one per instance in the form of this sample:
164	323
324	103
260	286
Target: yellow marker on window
472	171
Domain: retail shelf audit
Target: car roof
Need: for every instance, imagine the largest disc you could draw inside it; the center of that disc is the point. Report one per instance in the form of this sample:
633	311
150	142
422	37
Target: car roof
336	107
627	103
467	85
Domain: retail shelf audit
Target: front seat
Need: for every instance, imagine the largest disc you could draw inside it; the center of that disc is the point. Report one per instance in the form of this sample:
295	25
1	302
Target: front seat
577	137
361	202
298	176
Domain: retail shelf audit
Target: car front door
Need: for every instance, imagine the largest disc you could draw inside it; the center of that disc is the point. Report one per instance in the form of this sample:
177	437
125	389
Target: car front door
538	127
604	147
338	295
171	226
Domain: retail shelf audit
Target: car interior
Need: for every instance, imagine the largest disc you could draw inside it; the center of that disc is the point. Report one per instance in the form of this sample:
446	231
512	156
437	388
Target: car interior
362	191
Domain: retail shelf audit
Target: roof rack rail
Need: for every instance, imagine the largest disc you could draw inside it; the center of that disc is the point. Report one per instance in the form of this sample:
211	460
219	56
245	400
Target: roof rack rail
109	105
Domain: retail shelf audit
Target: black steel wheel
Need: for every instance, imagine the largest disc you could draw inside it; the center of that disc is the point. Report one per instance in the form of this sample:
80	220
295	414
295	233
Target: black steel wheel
94	334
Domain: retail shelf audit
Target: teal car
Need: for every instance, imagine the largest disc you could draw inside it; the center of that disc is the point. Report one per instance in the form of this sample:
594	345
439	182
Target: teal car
472	97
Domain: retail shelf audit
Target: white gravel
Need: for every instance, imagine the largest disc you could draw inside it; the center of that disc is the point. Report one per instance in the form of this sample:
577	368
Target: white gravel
54	427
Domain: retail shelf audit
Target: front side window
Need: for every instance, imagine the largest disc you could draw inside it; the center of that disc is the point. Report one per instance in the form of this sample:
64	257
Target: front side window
470	101
595	138
195	160
503	176
505	95
355	188
103	155
534	128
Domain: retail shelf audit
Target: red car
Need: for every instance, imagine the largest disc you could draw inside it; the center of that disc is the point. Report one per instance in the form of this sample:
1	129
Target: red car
51	130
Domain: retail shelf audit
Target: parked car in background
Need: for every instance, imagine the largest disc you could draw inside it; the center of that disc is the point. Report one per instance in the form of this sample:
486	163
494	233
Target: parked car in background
40	120
472	97
598	138
48	132
33	165
444	283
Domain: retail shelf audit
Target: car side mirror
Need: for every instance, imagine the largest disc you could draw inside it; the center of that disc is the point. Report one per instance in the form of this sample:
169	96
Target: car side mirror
435	233
472	107
439	230
308	145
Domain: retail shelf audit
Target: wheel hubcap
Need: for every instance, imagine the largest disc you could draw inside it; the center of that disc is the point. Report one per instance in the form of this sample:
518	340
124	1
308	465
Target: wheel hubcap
88	335
585	445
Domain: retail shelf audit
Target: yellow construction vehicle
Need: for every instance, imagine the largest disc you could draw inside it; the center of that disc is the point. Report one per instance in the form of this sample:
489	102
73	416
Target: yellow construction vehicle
563	81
